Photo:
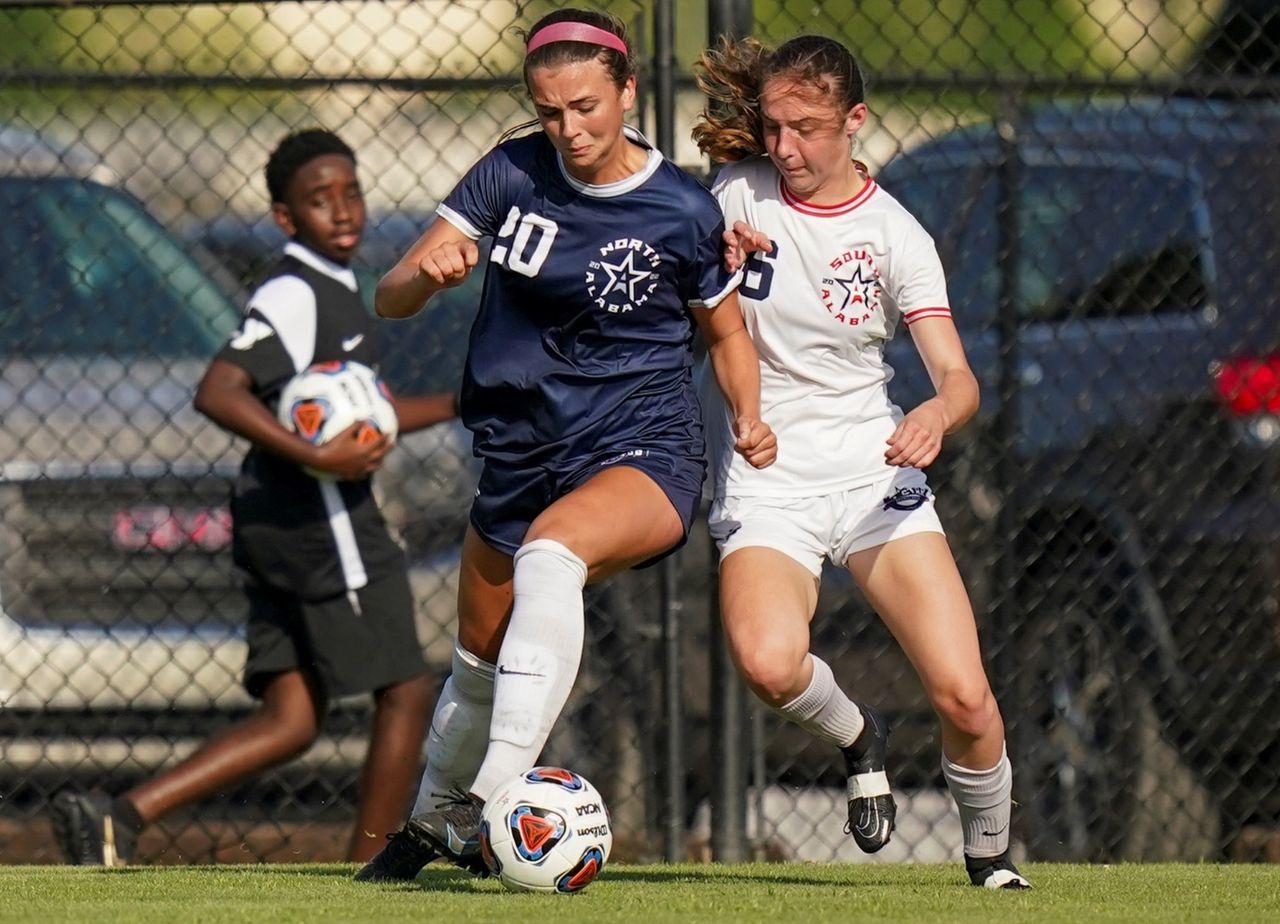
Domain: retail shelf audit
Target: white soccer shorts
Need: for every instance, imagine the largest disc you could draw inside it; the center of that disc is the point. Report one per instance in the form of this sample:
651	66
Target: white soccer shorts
833	526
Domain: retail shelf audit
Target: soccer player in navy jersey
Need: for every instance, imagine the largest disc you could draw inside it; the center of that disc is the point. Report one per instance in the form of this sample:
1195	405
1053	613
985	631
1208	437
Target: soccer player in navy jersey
578	390
330	608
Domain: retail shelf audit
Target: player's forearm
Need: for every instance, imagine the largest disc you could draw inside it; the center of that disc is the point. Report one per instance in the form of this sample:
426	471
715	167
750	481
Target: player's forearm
958	395
247	417
737	369
421	411
403	291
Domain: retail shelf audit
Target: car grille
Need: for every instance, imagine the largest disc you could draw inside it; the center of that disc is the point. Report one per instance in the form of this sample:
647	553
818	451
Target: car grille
118	552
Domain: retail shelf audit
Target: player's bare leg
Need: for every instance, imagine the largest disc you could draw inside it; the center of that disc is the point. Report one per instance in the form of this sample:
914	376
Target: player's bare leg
95	829
914	585
767	600
391	764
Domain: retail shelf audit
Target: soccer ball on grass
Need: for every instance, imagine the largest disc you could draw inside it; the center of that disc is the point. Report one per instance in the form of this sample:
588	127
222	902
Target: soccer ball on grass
547	830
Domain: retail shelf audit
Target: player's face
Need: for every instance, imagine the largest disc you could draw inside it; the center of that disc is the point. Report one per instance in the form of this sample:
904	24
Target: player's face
808	139
324	207
581	110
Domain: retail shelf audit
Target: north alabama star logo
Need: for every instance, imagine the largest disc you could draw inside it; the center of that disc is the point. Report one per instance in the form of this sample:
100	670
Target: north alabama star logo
852	292
625	275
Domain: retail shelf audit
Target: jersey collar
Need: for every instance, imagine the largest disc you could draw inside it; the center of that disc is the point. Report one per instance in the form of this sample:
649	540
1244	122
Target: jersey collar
625	185
826	211
336	271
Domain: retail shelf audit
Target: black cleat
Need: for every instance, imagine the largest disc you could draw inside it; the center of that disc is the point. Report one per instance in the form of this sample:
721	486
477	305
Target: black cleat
995	872
86	830
871	806
406	852
453	831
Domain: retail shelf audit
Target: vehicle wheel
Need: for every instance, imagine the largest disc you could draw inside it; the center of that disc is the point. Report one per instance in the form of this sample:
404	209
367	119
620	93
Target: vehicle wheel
1095	778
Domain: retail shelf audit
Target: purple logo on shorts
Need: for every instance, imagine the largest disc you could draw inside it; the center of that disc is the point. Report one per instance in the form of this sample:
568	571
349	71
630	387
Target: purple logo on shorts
906	498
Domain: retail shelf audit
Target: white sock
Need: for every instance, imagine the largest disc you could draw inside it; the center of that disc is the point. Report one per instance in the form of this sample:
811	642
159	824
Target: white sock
984	799
824	710
459	731
538	662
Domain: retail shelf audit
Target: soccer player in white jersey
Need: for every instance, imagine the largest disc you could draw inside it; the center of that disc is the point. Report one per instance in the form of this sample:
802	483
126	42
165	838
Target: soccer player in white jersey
579	393
835	265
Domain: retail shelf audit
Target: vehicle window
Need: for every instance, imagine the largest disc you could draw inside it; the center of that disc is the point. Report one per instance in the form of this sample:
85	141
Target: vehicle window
1097	240
1109	242
88	272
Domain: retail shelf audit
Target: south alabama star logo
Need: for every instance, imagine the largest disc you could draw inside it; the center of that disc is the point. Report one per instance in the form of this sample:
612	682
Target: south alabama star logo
624	276
851	293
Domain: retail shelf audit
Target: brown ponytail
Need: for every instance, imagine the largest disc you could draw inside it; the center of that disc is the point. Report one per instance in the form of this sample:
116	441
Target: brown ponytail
730	75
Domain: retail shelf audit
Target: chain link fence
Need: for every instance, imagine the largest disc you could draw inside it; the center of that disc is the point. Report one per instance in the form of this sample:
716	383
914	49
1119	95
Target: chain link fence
1100	179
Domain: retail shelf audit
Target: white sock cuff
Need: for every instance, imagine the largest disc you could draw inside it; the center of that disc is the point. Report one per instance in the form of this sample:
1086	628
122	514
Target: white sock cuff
556	553
472	677
815	695
992	782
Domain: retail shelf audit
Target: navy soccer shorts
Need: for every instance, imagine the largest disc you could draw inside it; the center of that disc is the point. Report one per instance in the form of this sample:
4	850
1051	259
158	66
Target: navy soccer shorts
508	499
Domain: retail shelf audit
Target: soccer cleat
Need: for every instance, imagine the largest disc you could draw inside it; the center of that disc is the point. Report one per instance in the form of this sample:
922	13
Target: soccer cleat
453	830
87	832
403	857
871	806
995	872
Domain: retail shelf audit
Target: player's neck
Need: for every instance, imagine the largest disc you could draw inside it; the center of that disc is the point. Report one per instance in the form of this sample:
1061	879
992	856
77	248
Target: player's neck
839	187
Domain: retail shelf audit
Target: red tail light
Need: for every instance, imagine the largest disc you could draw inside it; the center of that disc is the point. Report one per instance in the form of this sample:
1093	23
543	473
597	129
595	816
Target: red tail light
1249	385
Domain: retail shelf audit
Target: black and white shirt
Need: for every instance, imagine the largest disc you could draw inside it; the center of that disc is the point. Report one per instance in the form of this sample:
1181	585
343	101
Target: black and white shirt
294	532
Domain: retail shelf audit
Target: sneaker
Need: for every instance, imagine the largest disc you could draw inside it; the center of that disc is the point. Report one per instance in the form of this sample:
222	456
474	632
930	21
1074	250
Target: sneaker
86	830
406	852
453	830
871	806
995	872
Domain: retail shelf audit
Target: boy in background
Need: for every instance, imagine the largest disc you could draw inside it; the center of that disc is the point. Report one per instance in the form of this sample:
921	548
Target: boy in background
330	609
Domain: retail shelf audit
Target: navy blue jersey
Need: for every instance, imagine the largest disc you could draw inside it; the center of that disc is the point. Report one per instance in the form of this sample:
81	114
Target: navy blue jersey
583	339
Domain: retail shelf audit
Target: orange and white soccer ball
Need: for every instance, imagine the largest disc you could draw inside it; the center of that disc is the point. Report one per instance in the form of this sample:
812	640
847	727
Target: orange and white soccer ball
547	830
323	400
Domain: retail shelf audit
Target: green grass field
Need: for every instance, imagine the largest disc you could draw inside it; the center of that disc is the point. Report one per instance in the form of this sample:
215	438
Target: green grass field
765	893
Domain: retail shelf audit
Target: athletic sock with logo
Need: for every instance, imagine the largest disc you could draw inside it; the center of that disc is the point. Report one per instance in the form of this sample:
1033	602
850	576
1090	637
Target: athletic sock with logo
459	731
823	709
538	661
983	798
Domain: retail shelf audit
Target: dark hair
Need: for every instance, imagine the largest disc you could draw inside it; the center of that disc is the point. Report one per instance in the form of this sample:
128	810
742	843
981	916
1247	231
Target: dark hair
619	66
295	151
733	74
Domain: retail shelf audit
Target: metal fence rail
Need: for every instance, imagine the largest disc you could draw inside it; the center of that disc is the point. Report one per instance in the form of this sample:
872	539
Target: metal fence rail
1100	181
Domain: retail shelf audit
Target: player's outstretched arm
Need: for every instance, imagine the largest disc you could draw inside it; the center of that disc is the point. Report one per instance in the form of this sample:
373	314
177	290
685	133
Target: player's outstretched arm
417	412
224	395
442	258
918	438
737	370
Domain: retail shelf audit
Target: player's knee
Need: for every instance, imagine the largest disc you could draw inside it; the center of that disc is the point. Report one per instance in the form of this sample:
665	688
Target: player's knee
773	674
970	708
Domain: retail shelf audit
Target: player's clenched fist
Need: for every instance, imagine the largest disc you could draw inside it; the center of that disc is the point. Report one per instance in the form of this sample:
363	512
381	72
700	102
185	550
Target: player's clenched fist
756	441
450	263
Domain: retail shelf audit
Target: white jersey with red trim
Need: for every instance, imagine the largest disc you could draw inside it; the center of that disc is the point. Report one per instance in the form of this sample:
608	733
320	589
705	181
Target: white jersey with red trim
821	306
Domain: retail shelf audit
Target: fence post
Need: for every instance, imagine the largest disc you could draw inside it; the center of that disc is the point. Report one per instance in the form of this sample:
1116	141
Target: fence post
1006	615
728	705
673	834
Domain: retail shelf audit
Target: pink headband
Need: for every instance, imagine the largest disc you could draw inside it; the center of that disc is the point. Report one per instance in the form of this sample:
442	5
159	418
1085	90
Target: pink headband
575	32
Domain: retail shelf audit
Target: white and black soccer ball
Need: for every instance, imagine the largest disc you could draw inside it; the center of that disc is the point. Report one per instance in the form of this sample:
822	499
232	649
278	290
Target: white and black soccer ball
323	400
547	830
